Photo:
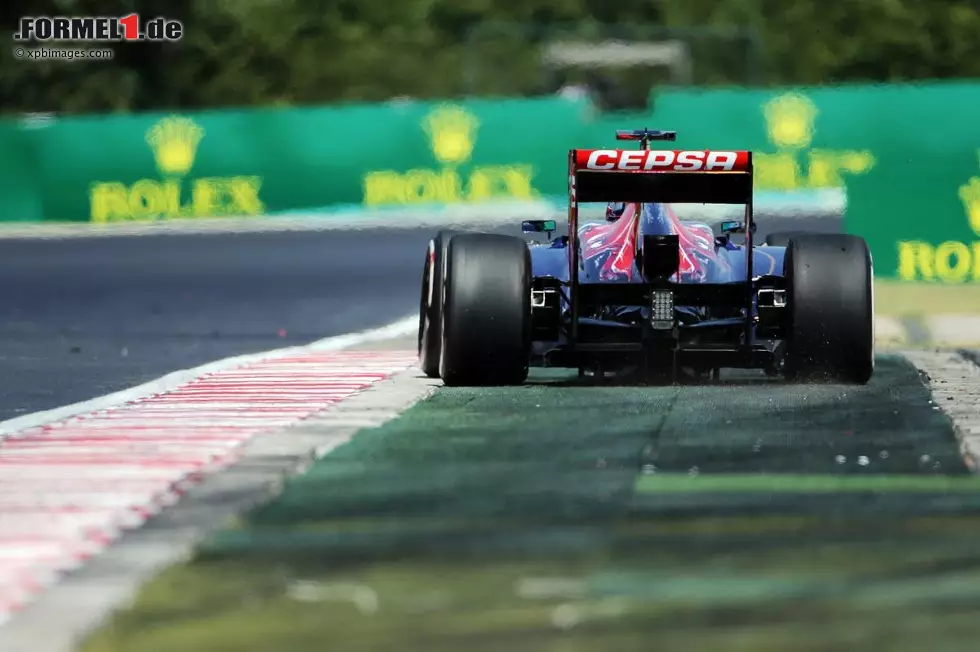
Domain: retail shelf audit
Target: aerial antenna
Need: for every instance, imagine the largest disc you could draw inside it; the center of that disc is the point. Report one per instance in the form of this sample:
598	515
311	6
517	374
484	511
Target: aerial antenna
645	135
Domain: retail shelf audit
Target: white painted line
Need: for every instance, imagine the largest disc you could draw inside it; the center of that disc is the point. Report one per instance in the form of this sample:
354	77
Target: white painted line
173	380
447	217
81	475
79	515
106	582
455	216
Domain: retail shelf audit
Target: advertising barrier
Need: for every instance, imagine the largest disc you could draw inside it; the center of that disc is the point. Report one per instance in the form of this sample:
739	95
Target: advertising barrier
265	161
901	162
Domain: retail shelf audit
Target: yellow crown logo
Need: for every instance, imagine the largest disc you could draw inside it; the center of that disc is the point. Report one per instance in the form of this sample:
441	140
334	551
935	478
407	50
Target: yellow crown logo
174	140
970	194
452	132
789	120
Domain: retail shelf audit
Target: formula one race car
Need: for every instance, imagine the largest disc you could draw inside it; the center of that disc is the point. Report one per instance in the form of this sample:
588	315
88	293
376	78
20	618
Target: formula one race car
644	291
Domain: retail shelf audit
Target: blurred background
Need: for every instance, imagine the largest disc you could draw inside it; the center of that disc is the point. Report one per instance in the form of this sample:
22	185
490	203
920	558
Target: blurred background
863	111
274	178
367	124
353	115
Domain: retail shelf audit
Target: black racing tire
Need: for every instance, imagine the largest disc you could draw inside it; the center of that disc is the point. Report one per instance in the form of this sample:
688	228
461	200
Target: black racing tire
486	311
830	298
430	304
781	238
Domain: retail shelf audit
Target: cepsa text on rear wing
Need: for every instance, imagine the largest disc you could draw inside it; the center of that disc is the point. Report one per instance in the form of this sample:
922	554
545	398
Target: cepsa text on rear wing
663	160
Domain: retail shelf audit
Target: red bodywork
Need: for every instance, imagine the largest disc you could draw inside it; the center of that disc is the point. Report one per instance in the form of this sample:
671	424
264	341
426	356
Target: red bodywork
618	239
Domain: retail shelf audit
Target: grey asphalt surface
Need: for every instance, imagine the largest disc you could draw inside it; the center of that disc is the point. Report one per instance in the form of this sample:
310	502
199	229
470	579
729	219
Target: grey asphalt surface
81	318
85	317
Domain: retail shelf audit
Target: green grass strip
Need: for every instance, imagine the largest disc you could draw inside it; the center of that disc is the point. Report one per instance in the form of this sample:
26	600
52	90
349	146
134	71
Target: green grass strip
803	483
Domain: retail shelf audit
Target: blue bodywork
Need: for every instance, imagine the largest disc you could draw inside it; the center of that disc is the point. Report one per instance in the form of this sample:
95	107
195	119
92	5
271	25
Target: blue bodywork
718	260
551	259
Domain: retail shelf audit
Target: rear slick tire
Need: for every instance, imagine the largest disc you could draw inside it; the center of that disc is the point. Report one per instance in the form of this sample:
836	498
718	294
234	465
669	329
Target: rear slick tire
829	280
486	311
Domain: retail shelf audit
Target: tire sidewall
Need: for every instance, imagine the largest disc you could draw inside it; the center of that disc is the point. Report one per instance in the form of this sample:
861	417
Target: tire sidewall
830	283
430	309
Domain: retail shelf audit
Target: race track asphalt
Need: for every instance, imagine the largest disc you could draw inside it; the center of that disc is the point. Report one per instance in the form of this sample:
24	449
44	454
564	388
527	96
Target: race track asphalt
80	318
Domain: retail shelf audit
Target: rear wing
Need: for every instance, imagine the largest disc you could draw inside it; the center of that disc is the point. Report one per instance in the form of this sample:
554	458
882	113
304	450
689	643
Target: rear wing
645	175
680	176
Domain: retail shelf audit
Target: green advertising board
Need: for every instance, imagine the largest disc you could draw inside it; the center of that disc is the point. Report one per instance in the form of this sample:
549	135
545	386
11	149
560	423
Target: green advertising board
19	177
901	162
150	167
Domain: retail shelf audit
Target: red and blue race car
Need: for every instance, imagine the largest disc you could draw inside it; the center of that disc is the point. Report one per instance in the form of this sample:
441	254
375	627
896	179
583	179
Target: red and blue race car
644	291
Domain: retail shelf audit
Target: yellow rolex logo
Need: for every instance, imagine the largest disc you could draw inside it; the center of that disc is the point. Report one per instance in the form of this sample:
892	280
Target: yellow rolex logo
174	141
970	194
452	133
789	120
